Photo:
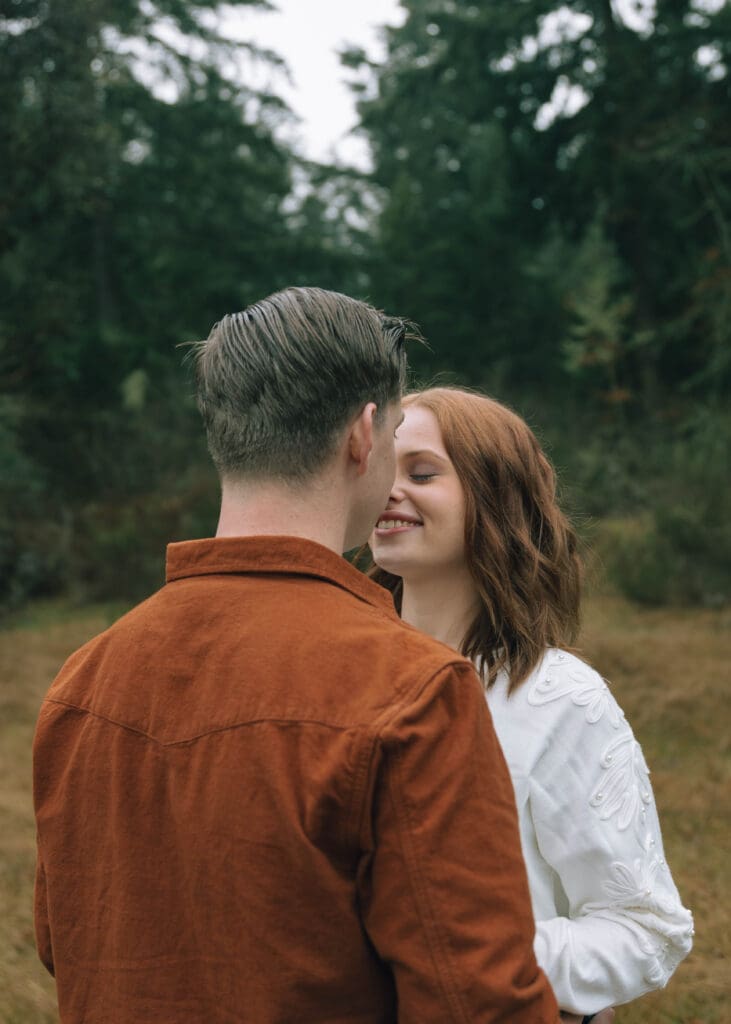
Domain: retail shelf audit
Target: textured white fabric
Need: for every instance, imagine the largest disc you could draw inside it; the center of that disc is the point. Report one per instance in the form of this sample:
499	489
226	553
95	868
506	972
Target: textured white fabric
610	924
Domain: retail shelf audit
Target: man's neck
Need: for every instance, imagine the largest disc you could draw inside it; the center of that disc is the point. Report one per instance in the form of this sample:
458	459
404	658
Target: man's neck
255	508
442	607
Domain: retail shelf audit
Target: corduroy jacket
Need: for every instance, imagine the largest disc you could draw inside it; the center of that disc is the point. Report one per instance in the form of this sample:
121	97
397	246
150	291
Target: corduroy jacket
261	797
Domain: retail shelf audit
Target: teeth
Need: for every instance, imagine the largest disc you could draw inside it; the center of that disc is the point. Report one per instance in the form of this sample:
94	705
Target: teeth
391	524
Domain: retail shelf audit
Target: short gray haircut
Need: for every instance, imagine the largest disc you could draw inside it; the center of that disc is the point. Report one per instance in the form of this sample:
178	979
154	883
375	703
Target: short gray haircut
278	382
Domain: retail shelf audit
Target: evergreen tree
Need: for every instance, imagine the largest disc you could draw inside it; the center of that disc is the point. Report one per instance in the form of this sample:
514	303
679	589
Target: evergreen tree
142	195
504	134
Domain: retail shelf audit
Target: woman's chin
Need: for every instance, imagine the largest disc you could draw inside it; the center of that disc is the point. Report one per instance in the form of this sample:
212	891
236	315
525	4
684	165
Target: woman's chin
388	564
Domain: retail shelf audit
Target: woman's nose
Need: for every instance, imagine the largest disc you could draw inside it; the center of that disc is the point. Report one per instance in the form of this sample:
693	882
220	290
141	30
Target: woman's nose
398	492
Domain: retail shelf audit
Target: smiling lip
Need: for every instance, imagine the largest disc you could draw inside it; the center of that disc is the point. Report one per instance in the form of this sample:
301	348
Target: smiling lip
395	522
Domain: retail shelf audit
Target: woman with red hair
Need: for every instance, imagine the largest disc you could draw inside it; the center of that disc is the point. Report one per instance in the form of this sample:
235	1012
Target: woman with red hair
477	553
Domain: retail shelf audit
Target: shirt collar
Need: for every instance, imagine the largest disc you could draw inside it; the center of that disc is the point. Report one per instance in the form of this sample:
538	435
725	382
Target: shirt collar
290	556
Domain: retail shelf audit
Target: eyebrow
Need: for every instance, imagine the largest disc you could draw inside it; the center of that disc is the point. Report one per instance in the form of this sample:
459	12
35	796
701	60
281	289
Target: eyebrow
425	451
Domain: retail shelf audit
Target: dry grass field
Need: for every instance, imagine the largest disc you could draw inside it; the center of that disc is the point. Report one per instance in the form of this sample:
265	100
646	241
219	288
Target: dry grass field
670	672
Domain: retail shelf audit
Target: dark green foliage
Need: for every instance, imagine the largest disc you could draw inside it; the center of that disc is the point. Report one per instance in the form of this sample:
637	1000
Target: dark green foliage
587	251
120	548
140	200
679	552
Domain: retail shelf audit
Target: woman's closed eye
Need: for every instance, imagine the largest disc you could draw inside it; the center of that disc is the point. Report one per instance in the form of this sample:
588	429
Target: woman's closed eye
421	478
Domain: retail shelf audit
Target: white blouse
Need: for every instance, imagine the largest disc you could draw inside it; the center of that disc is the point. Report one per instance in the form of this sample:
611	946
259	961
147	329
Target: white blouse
610	924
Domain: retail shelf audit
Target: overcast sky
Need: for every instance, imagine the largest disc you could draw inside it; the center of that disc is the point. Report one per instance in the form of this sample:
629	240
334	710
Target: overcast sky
307	34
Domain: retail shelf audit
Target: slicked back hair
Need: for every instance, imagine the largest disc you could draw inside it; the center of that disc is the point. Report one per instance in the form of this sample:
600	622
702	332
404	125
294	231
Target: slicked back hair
278	382
521	550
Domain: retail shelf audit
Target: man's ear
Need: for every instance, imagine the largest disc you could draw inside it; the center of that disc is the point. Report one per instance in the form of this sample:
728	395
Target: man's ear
360	440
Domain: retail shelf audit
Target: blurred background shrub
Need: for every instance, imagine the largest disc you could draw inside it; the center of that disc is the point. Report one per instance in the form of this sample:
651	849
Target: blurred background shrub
678	551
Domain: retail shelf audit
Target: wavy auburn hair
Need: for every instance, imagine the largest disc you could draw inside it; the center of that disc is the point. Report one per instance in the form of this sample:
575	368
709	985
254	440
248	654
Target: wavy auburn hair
521	549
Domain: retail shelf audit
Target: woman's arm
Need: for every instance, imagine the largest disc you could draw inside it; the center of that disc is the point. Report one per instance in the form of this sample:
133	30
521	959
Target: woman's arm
625	930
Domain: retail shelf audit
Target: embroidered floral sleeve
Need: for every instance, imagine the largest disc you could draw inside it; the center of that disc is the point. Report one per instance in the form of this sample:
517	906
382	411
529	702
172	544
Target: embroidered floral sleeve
625	929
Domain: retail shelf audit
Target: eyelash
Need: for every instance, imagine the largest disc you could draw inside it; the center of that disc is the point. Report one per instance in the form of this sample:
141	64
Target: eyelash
421	477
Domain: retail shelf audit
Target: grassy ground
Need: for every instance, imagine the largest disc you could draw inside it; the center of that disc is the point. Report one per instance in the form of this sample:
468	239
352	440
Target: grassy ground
668	671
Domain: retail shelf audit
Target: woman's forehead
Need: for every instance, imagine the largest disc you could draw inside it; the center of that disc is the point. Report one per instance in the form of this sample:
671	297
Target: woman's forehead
420	430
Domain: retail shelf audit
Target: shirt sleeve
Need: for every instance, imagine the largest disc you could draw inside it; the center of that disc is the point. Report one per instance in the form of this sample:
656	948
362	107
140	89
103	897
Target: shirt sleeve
624	930
442	885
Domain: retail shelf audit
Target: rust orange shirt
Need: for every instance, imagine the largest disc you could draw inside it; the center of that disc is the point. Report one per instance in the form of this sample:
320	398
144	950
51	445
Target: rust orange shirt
261	797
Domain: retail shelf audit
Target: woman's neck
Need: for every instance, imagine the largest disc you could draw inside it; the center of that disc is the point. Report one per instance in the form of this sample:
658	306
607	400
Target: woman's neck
442	608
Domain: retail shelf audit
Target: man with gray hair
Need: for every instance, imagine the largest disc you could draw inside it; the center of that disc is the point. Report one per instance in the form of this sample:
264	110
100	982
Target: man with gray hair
260	796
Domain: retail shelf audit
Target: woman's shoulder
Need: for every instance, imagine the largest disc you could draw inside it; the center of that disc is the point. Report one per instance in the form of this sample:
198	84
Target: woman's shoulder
564	705
560	681
570	688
